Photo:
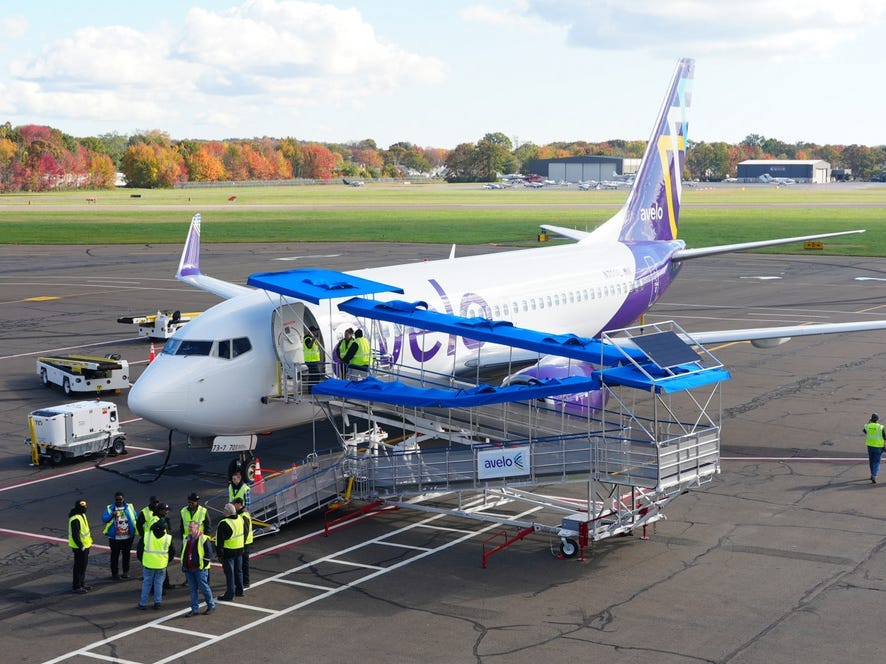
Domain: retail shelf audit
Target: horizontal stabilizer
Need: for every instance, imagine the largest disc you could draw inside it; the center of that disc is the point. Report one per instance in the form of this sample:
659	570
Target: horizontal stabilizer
571	233
686	254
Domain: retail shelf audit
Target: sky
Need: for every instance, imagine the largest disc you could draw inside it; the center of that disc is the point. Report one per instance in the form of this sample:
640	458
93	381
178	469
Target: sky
440	73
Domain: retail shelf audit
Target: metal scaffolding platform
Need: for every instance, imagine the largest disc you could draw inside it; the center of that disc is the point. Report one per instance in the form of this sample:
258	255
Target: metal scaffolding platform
653	434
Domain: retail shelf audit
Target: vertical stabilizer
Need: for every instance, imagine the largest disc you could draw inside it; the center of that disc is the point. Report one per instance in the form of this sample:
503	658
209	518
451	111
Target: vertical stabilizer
652	210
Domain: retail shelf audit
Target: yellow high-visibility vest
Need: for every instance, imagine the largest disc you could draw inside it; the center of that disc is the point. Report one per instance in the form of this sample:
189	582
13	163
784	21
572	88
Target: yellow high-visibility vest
156	553
874	434
235	540
364	353
85	535
312	354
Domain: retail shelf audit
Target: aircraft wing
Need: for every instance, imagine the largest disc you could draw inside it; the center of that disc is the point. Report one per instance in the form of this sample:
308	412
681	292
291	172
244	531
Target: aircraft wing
189	268
769	337
686	254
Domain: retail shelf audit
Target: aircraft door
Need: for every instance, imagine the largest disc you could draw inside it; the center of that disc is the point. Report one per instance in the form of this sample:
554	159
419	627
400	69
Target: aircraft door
288	330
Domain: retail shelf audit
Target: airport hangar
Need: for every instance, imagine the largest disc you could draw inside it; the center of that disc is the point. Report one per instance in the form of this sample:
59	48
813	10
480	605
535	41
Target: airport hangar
815	171
581	169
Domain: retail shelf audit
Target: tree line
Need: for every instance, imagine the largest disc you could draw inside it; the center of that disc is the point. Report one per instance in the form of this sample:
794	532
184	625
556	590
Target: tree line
39	158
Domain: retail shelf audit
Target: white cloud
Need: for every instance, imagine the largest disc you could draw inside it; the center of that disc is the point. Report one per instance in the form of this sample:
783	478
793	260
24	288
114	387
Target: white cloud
765	28
13	26
272	52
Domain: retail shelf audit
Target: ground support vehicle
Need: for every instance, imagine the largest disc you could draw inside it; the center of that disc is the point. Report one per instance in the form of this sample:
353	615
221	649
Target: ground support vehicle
81	373
75	429
161	325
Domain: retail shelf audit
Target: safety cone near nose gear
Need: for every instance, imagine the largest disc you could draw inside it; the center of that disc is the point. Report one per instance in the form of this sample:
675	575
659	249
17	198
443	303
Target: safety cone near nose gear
258	482
152	353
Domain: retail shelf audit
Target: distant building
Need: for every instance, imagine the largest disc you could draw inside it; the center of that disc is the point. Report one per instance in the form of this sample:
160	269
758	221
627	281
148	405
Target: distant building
798	170
577	169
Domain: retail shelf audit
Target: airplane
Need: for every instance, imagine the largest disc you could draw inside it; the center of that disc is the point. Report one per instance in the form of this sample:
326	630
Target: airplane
353	183
219	377
768	179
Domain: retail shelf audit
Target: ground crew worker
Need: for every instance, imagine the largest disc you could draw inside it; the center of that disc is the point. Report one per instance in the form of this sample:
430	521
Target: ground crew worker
229	546
345	351
239	489
197	555
247	537
119	520
874	440
157	554
194	511
80	540
363	353
146	516
311	349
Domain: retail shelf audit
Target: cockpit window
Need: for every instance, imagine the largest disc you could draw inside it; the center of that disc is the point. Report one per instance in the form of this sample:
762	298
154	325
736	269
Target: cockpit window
194	347
240	346
225	349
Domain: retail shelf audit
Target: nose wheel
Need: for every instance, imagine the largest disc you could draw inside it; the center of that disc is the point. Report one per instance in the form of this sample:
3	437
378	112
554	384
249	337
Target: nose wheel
245	463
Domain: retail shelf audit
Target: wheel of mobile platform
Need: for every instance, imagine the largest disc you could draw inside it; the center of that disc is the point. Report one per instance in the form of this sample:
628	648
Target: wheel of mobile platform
44	377
66	385
568	547
56	457
118	446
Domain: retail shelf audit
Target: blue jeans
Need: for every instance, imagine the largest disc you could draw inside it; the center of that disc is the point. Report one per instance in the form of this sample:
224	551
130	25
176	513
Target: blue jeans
198	582
874	454
152	579
233	567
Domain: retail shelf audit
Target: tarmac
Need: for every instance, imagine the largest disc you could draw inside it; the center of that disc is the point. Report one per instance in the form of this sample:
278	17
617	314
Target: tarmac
779	559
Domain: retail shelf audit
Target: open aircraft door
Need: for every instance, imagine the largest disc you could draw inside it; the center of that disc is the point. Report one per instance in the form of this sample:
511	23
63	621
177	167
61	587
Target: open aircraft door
288	329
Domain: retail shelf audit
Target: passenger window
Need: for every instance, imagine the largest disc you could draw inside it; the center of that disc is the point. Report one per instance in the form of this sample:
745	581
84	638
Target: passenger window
496	312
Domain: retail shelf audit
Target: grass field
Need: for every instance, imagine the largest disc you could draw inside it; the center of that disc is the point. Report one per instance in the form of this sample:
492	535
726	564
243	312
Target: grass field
464	214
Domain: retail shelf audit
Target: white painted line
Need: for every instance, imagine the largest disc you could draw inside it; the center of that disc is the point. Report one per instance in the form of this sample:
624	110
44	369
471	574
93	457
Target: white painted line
404	546
147	452
302	584
179	630
273	615
240	605
351	564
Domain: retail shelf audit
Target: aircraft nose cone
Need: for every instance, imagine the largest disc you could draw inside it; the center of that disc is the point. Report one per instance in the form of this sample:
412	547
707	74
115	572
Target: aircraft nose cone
156	401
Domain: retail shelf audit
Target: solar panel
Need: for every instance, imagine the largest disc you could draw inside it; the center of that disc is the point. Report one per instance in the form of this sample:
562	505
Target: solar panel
666	349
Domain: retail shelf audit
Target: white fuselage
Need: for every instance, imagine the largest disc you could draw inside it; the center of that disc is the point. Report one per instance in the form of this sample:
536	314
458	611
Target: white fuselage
575	288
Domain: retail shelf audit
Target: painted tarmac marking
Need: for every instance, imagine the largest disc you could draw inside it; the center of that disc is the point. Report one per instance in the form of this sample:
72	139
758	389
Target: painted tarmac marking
146	451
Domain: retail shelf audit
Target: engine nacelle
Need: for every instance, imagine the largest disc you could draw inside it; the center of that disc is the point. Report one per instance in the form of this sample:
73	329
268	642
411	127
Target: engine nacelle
579	403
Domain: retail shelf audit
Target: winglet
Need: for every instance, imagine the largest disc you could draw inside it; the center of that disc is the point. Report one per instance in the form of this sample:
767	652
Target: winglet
189	265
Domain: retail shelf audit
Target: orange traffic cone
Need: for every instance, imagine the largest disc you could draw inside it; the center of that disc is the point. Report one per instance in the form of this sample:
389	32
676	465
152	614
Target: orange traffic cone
152	353
258	484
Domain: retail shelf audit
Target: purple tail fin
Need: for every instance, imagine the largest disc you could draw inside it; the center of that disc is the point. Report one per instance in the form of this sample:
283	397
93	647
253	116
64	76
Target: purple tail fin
190	261
652	210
